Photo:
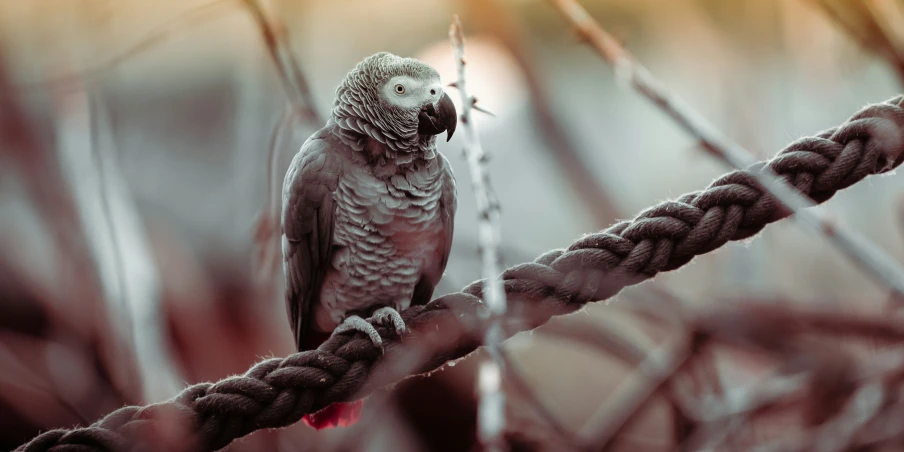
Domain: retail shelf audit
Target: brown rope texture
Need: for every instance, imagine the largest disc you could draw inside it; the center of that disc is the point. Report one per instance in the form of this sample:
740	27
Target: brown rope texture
277	392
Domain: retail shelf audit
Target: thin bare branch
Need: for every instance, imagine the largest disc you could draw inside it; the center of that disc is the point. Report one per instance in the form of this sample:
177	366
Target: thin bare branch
136	284
587	187
193	16
607	340
870	33
267	252
302	109
515	375
883	15
722	418
766	323
840	432
491	410
45	179
118	245
651	374
290	74
859	250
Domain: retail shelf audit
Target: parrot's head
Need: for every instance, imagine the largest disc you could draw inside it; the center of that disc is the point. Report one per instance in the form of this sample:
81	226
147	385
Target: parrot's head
402	98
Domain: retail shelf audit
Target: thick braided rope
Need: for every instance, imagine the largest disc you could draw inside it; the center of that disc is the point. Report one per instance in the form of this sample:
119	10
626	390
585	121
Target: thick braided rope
279	391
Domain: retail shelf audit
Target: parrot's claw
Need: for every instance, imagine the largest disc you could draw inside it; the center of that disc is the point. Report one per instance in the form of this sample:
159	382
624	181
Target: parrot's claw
390	318
355	323
387	317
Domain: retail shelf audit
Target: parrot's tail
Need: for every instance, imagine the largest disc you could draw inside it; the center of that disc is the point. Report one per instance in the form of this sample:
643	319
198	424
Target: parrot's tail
340	414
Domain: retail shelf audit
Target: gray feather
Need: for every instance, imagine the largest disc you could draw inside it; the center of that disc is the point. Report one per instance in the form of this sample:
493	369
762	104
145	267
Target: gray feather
307	227
368	207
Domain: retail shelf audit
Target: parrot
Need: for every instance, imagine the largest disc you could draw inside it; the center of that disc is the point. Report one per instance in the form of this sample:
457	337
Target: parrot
368	206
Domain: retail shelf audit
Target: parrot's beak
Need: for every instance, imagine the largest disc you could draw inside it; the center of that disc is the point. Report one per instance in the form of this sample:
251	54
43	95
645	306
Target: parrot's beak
434	120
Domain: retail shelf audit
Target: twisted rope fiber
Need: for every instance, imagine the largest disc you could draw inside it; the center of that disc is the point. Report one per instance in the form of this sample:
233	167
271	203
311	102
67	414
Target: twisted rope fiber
279	391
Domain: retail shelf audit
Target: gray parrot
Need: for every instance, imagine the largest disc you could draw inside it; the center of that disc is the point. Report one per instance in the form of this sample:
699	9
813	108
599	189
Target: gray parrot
368	203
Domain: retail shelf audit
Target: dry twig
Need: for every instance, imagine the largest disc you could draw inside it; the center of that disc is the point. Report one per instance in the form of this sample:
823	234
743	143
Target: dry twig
491	411
870	32
586	186
653	373
290	73
267	248
134	284
193	16
301	103
515	376
858	249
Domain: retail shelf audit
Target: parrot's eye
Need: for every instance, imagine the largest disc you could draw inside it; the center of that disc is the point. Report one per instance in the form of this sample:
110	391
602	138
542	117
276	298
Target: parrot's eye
400	89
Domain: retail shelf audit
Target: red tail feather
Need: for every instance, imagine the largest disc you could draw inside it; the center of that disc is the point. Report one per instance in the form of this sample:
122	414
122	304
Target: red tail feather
335	415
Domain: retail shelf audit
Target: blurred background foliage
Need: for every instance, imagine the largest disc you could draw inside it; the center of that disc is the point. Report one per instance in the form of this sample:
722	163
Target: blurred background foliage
156	118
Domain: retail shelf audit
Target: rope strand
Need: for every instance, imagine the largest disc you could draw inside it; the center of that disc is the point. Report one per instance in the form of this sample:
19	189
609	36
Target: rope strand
277	392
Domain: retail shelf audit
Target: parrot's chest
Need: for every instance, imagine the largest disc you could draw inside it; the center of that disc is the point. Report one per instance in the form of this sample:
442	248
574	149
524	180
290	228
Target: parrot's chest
387	232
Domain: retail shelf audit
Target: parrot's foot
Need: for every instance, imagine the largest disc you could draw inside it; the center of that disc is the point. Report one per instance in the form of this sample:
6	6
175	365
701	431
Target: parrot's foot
387	317
355	323
390	318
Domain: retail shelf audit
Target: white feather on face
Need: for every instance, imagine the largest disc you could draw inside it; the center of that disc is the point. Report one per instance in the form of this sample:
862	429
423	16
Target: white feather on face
411	93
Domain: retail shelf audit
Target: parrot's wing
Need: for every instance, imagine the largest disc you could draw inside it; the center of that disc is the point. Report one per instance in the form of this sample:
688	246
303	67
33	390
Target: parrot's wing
307	227
448	203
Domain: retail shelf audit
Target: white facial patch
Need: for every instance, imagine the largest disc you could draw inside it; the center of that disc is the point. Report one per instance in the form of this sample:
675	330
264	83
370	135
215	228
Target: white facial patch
408	92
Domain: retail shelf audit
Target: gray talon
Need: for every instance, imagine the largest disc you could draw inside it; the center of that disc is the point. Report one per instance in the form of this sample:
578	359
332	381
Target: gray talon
390	318
355	323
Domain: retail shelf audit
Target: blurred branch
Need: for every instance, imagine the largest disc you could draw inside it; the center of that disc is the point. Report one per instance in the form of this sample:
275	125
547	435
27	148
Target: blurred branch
21	377
884	428
608	339
869	29
193	16
586	186
275	36
765	323
134	281
118	245
840	432
604	338
81	171
40	171
515	375
267	225
76	275
858	249
28	331
72	112
651	374
294	83
290	75
53	367
722	419
491	410
889	17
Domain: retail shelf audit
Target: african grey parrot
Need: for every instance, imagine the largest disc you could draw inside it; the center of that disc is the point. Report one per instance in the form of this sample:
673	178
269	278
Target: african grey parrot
368	203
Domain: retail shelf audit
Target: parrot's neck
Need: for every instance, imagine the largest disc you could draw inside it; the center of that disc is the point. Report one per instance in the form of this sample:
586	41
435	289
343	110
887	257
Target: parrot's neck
384	167
378	149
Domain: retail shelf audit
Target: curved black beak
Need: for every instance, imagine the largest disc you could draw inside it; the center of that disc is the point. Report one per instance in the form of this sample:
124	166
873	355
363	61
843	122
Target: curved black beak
433	120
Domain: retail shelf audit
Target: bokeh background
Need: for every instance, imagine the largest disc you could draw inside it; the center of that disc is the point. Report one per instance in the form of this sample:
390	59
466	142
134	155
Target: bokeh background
134	167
